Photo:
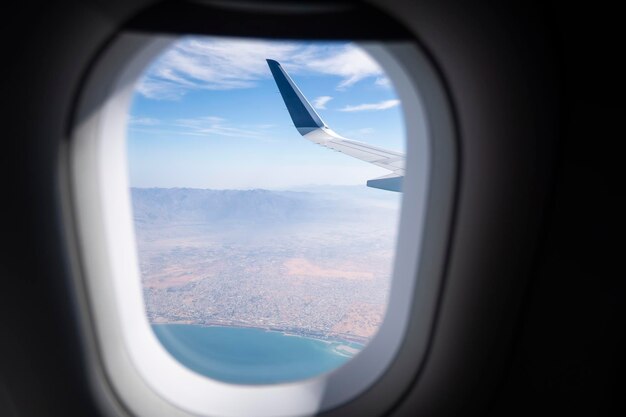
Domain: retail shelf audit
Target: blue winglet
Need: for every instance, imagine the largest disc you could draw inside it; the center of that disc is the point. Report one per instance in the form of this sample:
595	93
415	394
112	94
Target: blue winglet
301	112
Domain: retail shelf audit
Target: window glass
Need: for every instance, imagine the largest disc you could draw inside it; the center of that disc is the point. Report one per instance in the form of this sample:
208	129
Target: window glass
265	257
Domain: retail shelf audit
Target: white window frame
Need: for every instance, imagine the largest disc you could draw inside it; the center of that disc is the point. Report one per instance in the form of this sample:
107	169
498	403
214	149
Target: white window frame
142	374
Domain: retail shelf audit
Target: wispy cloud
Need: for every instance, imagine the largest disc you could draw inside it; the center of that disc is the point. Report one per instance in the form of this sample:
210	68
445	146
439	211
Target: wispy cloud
143	121
320	102
358	133
351	63
363	131
222	64
213	125
383	105
206	126
383	82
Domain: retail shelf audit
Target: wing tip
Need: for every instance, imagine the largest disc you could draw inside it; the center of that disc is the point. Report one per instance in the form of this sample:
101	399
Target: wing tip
302	113
388	182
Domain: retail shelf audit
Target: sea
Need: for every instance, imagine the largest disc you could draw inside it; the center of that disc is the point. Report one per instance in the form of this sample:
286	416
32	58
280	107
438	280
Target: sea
242	355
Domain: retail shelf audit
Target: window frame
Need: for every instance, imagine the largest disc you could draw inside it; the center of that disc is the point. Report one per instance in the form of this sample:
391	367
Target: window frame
371	381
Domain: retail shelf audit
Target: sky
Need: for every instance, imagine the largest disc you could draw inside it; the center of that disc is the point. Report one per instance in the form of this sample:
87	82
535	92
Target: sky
207	114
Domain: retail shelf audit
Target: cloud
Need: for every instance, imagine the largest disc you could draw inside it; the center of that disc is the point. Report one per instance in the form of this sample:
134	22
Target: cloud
206	63
350	62
206	126
194	64
320	102
364	131
359	133
383	82
143	121
383	105
213	125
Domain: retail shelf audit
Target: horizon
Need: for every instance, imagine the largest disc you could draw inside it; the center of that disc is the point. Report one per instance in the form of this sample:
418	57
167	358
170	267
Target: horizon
355	186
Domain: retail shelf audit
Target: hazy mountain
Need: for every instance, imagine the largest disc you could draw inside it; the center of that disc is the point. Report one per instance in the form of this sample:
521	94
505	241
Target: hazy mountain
188	205
315	262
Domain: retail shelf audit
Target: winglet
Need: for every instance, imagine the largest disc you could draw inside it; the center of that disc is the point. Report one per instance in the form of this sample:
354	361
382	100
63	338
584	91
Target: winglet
311	126
305	119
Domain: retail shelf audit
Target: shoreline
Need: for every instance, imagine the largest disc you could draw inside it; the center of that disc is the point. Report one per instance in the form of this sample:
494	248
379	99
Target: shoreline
285	332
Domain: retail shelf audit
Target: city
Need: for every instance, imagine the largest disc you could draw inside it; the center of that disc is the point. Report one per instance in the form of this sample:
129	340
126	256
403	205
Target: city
326	277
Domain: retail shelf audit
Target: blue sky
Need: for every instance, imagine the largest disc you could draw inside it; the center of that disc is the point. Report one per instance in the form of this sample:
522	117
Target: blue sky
207	114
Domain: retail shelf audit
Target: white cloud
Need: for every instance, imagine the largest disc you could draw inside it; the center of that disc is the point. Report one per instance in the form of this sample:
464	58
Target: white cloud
383	82
143	121
213	125
359	133
351	63
206	126
383	105
364	131
220	64
320	102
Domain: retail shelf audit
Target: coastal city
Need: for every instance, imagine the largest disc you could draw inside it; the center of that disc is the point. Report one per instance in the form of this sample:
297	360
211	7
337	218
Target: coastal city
315	278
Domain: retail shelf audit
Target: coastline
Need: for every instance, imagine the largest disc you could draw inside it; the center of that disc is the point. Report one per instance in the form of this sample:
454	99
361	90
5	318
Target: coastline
251	355
346	346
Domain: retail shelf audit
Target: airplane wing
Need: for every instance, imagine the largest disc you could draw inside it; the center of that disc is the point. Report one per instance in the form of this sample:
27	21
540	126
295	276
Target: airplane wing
312	127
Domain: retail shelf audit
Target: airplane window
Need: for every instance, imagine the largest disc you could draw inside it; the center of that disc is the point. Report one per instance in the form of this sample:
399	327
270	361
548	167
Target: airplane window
251	239
265	180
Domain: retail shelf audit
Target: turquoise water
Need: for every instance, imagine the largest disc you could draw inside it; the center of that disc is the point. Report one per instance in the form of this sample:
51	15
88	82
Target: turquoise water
251	356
